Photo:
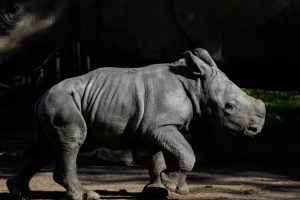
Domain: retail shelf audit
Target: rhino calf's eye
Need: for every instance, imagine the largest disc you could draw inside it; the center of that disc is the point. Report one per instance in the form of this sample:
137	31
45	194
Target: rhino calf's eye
229	106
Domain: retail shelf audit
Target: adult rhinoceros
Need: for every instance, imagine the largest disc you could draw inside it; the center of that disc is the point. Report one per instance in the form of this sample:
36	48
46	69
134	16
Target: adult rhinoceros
254	38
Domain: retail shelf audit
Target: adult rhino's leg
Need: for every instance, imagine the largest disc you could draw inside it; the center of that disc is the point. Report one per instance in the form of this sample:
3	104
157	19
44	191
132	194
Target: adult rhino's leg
70	130
32	162
155	188
179	157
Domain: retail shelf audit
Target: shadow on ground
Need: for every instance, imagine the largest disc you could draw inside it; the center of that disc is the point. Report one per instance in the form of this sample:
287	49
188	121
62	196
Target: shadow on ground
105	194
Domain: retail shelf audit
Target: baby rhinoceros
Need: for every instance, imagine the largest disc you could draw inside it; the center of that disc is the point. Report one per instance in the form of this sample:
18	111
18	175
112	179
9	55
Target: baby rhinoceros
149	106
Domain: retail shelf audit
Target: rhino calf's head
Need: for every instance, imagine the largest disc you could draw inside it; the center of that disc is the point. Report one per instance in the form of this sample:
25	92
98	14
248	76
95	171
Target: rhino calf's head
225	104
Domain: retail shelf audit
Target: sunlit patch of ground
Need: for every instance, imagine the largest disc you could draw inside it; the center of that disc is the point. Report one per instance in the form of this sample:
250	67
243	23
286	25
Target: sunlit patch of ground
208	182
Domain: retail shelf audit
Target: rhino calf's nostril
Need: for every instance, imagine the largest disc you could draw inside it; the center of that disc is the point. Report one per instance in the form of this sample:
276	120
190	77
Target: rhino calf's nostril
252	128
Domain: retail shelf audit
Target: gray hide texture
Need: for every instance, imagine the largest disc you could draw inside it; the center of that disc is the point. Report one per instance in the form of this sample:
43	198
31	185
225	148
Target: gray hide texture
149	106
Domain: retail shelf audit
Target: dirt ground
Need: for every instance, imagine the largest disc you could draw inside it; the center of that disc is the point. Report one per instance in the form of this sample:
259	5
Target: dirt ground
206	182
263	179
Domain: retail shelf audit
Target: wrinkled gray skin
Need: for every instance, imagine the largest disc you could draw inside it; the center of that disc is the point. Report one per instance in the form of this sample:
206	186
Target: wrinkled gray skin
148	106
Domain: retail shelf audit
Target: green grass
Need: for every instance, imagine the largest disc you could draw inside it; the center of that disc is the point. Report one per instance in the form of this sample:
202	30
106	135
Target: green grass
276	98
282	106
270	96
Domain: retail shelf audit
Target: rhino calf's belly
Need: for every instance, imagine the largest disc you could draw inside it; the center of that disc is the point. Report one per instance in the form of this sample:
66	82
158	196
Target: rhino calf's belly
112	129
112	136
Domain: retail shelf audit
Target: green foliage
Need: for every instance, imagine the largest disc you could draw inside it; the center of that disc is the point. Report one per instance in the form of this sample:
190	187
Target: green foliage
281	105
271	96
276	98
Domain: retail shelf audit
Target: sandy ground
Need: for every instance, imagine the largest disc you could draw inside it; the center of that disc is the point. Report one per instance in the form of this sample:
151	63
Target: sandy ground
207	182
271	179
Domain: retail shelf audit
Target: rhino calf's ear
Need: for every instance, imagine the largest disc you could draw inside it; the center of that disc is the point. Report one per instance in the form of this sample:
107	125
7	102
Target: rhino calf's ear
204	56
196	65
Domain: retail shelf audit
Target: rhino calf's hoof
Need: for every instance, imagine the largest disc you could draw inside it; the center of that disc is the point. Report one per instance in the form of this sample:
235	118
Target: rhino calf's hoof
89	195
172	181
182	189
169	182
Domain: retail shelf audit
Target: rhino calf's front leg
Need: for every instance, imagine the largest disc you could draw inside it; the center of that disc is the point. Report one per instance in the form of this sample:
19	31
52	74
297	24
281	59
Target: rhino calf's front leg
155	189
179	158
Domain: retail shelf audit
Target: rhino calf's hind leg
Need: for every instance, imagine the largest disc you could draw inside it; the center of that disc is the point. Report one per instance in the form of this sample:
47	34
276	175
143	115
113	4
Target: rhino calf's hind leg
70	133
65	174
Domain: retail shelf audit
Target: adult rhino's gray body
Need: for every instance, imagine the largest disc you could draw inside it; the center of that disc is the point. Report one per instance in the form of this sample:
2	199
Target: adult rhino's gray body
148	106
253	38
